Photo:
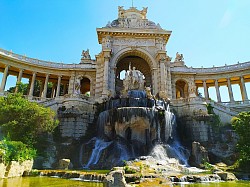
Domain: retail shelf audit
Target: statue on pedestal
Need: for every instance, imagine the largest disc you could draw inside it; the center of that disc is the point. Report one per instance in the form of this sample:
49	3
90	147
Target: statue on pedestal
85	54
179	57
134	80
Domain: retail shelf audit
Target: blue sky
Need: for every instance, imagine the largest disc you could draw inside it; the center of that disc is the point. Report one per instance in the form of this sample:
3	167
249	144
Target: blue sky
214	32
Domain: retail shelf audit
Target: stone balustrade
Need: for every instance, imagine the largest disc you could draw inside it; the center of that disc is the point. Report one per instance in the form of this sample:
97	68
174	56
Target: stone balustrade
226	68
46	63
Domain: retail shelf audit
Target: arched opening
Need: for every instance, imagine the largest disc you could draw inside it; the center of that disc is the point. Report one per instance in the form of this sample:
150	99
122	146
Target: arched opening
123	65
85	86
181	89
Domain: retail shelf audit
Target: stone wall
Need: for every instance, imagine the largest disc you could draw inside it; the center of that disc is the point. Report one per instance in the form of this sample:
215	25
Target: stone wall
75	117
15	169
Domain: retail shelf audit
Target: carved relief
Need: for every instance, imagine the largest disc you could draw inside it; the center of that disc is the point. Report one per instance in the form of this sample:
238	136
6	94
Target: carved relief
134	42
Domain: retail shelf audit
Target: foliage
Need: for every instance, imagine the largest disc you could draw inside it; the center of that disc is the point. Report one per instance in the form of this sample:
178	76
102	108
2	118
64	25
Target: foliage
210	108
208	166
241	124
15	151
24	120
129	170
23	88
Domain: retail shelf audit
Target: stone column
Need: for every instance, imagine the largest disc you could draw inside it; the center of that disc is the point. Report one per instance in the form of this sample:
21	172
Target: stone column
205	89
243	89
64	88
230	91
32	85
4	79
19	78
217	91
41	89
45	87
105	76
53	90
58	86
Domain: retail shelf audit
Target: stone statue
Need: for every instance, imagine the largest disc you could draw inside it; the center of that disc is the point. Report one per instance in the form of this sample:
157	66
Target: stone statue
85	54
179	57
134	80
77	87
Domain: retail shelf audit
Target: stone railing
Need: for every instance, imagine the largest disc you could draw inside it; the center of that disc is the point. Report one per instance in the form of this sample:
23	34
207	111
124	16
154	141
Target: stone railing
234	67
223	107
187	100
46	63
236	103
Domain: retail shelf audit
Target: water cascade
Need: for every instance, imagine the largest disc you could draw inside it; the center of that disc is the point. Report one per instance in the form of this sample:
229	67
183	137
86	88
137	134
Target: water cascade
131	127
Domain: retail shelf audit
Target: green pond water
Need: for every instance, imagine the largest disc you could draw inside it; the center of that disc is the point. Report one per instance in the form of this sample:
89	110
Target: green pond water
56	182
45	182
217	184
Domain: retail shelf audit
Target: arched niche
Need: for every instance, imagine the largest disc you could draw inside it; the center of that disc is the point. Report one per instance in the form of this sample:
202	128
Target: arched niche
85	86
181	89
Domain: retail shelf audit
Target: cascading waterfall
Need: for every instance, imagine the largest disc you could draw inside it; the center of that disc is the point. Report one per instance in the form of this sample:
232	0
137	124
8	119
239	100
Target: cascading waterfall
96	153
122	114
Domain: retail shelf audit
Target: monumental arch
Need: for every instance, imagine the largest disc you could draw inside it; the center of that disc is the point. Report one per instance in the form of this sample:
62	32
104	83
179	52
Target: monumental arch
131	39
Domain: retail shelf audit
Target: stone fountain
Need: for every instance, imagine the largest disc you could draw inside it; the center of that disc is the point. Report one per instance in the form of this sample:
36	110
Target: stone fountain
131	126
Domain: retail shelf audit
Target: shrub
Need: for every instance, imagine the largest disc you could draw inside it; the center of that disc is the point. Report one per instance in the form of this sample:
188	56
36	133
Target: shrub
25	121
241	124
15	151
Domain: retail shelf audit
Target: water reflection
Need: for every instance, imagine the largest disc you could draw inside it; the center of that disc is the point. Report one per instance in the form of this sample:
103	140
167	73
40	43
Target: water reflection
45	182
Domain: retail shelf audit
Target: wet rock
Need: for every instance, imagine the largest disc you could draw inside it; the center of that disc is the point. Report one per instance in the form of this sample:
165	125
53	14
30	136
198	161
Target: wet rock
226	176
199	155
64	164
174	179
115	179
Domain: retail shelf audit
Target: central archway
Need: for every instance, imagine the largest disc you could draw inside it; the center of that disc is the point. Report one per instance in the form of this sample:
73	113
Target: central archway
135	61
141	60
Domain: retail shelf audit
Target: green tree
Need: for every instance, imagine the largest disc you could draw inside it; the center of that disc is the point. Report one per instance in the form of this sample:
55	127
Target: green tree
25	121
241	124
23	88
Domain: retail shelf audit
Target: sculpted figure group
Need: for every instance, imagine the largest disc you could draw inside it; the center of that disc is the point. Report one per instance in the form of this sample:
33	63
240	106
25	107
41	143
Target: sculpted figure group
85	54
179	57
134	79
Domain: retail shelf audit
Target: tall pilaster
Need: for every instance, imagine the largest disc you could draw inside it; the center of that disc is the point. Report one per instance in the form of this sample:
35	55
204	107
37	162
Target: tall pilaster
205	89
106	74
217	91
4	79
162	77
230	91
243	89
19	78
155	81
58	86
32	85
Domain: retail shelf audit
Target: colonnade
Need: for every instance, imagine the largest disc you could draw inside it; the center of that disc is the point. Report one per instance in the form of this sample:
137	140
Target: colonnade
216	83
56	89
